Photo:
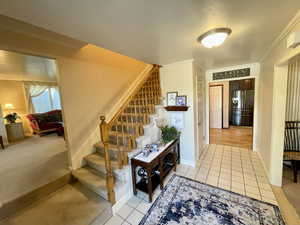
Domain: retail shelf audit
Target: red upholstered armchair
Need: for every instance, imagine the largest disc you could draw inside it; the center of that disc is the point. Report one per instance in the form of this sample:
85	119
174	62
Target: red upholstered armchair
46	122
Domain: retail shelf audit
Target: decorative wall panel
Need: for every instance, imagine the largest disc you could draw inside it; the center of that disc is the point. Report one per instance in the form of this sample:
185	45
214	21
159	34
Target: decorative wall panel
231	74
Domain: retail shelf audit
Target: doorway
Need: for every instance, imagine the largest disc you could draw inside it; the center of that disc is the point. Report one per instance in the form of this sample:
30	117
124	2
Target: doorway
31	126
231	113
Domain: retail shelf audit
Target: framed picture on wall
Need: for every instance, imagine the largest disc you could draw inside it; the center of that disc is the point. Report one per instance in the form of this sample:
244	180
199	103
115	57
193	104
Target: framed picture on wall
171	98
181	100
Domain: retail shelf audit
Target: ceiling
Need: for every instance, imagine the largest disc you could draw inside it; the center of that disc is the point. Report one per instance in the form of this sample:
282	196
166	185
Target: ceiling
163	31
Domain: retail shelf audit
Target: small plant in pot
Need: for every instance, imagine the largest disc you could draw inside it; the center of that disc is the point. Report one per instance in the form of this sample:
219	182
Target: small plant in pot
12	117
169	134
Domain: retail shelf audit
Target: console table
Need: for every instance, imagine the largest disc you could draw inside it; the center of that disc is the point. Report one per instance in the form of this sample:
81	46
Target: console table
155	167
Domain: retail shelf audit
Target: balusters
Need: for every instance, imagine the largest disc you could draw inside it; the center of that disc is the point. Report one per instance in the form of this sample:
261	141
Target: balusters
120	145
127	125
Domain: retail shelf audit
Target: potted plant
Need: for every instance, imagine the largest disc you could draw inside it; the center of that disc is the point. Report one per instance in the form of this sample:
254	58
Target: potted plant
12	117
169	134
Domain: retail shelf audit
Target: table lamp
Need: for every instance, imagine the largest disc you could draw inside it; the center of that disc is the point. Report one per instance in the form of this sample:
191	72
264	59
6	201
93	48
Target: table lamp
9	106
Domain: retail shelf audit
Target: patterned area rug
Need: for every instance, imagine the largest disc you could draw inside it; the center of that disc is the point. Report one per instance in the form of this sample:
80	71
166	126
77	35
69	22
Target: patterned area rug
185	201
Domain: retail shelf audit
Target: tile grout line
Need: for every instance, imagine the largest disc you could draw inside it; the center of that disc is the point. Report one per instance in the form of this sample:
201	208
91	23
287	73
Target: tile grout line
231	175
134	209
242	165
261	197
203	161
221	165
209	167
213	161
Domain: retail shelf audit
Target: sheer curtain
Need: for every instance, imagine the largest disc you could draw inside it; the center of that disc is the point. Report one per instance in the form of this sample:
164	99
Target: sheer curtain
35	89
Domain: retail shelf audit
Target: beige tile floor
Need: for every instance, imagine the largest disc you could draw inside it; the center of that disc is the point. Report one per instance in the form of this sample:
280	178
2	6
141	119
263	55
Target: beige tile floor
235	169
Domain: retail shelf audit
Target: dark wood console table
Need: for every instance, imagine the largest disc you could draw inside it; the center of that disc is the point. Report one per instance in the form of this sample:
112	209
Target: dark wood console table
155	167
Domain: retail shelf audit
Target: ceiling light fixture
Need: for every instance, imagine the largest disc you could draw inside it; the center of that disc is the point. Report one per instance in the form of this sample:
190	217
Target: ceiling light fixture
215	37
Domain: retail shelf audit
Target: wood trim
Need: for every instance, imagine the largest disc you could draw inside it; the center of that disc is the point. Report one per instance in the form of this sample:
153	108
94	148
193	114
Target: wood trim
176	108
104	128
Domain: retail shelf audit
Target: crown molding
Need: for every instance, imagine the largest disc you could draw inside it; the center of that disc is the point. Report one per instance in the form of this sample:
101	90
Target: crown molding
284	33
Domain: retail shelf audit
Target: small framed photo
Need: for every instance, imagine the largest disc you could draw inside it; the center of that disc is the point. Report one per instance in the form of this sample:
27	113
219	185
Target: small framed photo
171	98
181	100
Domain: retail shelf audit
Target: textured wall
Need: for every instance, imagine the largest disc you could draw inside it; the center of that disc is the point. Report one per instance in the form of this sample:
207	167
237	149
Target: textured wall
180	77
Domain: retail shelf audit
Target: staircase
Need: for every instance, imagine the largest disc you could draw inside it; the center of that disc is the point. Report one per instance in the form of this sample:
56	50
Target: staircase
106	171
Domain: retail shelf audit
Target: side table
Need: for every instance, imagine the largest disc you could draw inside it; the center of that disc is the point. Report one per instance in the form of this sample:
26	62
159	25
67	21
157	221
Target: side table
14	131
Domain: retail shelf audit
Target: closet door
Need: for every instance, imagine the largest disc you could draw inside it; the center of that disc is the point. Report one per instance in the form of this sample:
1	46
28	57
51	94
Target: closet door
216	106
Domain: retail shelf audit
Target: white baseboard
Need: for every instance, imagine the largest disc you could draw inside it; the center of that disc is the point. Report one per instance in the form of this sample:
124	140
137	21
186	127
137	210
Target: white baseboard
188	162
119	204
264	165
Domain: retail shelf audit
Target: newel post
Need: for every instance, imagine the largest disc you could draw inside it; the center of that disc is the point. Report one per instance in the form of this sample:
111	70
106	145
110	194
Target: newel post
110	183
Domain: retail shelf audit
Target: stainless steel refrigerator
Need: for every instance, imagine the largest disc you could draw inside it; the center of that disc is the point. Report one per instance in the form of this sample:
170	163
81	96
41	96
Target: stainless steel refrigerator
242	106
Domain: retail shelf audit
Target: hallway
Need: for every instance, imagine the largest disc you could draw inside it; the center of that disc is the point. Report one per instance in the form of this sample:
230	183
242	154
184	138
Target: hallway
235	136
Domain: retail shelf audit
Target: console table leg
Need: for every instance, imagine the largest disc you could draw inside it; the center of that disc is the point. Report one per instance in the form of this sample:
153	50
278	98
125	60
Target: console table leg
161	182
174	161
178	151
133	179
149	171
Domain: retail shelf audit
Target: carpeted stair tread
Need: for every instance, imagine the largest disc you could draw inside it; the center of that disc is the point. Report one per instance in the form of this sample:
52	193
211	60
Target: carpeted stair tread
97	162
92	180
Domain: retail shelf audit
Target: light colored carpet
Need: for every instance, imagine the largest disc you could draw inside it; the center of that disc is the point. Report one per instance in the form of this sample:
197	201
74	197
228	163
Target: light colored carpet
71	205
291	189
31	163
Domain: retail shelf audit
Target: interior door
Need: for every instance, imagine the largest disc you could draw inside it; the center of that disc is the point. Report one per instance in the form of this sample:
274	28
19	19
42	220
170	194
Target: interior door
215	106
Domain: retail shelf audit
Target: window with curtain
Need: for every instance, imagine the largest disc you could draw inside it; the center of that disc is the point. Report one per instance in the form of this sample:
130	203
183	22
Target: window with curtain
47	101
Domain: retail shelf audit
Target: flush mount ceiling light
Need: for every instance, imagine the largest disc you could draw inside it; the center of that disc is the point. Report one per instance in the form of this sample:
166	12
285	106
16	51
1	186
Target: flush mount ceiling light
215	37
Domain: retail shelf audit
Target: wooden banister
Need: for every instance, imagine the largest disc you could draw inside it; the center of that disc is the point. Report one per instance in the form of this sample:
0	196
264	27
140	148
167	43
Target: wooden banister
127	124
109	173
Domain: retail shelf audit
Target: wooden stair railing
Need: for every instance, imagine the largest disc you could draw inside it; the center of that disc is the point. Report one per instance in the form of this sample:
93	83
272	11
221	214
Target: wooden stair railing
119	134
